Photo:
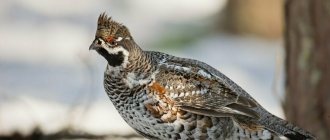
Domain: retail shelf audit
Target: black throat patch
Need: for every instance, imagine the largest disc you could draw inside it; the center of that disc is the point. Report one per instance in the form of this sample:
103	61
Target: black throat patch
113	59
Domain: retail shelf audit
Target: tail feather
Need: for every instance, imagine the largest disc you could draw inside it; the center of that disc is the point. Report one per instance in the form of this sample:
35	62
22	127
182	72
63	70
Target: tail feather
284	128
296	133
298	136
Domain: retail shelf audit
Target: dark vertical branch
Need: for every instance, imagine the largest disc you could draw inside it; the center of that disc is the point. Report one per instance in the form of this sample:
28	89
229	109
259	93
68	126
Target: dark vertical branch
307	40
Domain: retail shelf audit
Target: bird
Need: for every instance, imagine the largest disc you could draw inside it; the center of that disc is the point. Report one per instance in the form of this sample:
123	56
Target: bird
162	96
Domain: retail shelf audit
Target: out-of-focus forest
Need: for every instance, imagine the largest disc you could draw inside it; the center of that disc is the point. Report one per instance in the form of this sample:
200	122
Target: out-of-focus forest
51	86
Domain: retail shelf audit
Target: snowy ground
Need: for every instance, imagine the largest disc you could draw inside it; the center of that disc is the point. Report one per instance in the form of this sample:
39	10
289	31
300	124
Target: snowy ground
49	79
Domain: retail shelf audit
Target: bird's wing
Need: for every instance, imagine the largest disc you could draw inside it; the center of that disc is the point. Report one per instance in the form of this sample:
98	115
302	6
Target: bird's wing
195	87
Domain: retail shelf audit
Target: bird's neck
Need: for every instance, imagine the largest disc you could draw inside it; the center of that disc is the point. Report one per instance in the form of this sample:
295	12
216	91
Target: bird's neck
139	63
139	72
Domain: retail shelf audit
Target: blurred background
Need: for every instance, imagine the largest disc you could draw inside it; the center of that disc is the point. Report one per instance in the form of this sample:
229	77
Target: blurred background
51	86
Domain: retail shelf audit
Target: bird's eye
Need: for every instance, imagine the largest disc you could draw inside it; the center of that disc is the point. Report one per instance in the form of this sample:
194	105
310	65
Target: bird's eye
98	42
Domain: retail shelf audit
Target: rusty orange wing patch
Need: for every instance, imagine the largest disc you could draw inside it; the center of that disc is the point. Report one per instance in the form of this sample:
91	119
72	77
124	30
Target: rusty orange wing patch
158	88
161	106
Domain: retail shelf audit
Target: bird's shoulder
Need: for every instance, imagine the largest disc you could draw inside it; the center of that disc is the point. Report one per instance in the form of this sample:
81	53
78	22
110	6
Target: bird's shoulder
186	66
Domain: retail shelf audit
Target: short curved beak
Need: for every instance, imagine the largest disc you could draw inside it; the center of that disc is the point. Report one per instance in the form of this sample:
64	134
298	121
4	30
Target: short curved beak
95	45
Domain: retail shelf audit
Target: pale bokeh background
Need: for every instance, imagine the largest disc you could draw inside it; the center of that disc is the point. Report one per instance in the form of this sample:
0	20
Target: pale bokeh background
49	80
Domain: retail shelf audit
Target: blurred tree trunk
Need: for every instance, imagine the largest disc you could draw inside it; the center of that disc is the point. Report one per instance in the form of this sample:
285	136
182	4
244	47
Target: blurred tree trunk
307	38
261	18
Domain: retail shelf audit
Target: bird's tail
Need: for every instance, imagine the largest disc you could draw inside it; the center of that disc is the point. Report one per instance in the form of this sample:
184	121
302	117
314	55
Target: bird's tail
284	128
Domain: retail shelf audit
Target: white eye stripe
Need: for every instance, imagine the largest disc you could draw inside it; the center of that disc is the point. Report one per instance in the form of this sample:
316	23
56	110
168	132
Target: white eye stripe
101	40
109	44
119	39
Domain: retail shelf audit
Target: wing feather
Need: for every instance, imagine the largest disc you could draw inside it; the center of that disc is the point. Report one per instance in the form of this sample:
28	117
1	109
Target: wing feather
215	94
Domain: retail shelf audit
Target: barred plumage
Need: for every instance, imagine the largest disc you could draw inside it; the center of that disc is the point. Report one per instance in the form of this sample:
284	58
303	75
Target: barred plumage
167	97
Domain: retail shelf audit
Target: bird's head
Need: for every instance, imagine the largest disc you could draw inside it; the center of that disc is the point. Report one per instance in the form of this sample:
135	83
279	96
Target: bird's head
113	41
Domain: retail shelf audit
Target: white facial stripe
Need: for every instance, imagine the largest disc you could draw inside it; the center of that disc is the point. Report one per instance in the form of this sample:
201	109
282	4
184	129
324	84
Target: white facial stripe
119	39
127	38
111	45
117	49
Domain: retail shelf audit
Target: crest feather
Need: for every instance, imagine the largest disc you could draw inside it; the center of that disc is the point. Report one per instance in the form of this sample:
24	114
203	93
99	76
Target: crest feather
106	27
106	24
